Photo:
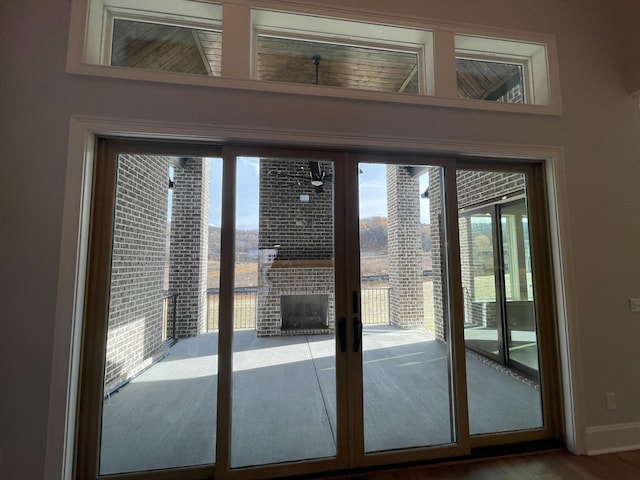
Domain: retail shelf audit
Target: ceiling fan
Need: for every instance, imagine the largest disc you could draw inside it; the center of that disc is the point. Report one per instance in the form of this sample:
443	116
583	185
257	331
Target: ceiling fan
318	176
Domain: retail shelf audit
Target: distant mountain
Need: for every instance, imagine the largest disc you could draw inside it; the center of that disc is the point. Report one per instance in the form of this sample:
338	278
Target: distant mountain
373	238
374	235
246	243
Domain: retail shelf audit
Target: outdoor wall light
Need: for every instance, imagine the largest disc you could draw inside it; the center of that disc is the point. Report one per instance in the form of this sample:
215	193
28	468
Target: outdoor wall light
316	61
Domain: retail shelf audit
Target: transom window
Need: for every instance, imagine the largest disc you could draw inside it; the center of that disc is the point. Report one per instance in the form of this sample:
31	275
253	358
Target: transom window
155	46
483	80
320	51
340	53
502	70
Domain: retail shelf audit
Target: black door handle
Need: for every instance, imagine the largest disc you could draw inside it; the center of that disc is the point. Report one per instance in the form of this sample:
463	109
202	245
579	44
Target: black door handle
357	334
342	334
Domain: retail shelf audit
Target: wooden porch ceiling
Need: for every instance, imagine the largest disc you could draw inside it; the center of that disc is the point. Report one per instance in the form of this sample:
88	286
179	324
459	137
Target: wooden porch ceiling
359	67
178	49
154	46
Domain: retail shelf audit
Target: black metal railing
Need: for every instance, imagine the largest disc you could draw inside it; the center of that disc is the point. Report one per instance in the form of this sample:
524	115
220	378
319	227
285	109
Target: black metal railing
374	301
169	302
375	306
244	308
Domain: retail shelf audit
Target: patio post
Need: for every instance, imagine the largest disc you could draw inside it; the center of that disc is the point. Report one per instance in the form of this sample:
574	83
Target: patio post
189	245
405	248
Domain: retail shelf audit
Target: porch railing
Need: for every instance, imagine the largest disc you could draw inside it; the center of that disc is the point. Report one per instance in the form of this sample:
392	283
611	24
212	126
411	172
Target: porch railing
375	307
244	308
169	301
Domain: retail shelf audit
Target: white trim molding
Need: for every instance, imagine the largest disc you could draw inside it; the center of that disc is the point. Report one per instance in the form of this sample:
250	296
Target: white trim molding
83	130
619	437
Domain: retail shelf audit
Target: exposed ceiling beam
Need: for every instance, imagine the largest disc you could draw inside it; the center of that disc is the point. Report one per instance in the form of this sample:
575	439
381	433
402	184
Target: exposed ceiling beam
409	78
203	55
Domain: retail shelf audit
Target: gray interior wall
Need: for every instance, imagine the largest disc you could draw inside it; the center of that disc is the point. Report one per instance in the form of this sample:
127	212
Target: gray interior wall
598	132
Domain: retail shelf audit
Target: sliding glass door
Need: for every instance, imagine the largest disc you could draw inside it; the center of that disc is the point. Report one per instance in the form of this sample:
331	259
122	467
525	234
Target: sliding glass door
409	399
500	317
257	312
284	348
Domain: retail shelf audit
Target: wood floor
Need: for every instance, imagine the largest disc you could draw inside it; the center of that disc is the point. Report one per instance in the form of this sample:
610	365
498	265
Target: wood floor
550	465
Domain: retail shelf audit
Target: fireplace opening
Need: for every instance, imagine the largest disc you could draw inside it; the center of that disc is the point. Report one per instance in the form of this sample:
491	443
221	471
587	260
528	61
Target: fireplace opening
302	312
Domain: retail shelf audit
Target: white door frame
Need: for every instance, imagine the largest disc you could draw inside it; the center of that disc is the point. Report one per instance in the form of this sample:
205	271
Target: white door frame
73	251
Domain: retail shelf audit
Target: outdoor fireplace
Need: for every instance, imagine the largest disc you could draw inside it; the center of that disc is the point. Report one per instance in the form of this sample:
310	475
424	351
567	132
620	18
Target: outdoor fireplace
295	297
302	312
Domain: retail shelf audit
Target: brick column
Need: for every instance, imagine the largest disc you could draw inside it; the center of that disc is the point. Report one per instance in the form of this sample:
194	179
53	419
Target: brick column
405	248
189	243
437	254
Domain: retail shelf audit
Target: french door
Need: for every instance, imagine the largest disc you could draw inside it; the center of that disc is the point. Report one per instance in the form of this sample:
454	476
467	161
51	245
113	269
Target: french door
257	312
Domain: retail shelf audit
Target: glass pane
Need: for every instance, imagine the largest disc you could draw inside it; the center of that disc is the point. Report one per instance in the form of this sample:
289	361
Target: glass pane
479	283
284	392
496	81
405	341
336	65
159	408
521	333
503	392
154	46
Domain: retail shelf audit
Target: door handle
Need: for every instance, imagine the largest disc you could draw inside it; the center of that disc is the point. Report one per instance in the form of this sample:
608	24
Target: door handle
357	334
342	334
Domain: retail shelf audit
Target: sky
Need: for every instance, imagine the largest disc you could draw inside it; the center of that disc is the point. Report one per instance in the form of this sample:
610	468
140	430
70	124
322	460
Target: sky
372	190
372	185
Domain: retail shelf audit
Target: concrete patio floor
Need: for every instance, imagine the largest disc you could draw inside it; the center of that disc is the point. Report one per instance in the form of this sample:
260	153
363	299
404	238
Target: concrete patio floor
283	406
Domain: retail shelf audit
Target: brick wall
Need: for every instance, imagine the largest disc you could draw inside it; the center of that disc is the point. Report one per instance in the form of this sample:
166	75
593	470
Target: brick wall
481	187
135	309
302	230
515	95
406	306
189	245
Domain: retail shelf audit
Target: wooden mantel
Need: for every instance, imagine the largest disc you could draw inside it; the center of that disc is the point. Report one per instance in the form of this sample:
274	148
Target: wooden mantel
307	263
